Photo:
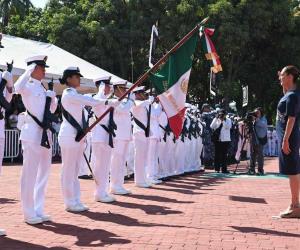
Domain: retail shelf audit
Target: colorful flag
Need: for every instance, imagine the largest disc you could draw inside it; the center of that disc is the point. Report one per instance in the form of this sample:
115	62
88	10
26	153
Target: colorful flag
211	53
171	83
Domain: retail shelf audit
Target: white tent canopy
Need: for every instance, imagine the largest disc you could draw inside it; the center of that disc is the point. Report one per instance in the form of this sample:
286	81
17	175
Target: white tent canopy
18	49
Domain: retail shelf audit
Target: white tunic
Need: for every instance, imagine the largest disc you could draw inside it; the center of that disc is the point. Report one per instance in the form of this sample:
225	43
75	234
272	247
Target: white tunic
34	99
163	122
139	111
123	120
99	134
156	111
74	103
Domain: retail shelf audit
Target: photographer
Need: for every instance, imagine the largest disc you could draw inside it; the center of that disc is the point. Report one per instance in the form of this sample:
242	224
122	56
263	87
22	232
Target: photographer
221	126
258	140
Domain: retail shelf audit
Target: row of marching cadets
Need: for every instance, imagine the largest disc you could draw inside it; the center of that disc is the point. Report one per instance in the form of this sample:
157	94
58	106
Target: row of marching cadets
137	121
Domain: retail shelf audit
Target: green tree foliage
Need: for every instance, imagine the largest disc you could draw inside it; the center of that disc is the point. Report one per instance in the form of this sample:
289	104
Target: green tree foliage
254	38
13	7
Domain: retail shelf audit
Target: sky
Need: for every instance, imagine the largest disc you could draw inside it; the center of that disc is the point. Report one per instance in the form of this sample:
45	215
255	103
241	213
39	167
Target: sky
39	3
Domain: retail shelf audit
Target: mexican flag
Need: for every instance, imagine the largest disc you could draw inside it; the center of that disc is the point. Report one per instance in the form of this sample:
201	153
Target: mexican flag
171	83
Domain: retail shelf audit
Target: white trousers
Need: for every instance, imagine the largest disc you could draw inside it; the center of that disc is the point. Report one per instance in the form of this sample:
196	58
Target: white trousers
152	159
140	154
130	159
117	166
188	157
71	154
34	178
83	167
101	155
200	148
180	157
195	165
163	158
171	157
2	142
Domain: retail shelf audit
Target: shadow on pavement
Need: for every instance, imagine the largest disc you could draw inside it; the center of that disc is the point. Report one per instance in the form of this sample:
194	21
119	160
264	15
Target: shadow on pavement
148	209
11	244
264	231
247	199
7	201
85	237
158	198
121	219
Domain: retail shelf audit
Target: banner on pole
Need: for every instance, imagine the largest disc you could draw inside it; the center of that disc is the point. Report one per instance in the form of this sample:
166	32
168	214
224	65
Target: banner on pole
245	96
213	82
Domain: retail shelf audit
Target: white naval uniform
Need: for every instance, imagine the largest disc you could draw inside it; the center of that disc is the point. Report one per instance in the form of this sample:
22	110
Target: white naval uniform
123	137
152	158
8	97
187	144
36	159
162	147
83	165
139	111
200	146
101	150
72	151
195	148
180	149
171	146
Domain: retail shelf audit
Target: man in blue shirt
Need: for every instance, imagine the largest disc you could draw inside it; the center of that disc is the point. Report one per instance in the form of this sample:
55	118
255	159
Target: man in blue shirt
259	139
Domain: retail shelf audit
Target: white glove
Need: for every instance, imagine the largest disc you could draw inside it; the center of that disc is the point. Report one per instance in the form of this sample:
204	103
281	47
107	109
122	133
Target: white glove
50	93
30	68
9	78
151	99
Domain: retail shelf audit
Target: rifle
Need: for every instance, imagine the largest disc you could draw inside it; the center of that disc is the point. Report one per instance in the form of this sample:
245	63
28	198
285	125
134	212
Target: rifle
3	102
48	119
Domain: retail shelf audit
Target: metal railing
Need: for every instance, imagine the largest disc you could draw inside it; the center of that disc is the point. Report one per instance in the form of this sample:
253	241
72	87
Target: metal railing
12	144
12	147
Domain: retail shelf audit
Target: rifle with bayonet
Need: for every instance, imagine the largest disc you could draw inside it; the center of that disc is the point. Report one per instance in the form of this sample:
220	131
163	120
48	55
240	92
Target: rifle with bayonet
48	119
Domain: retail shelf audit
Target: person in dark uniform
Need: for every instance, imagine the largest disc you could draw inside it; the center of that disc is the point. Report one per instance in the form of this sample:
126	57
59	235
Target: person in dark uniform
287	128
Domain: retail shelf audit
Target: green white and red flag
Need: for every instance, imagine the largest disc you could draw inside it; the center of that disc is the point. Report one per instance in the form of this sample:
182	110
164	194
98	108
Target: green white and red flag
171	83
211	53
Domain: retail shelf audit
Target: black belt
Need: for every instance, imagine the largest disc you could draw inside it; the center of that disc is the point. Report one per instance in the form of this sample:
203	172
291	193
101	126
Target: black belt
110	129
74	123
45	140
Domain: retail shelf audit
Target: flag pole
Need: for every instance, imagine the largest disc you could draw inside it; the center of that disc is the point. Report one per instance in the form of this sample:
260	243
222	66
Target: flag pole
145	75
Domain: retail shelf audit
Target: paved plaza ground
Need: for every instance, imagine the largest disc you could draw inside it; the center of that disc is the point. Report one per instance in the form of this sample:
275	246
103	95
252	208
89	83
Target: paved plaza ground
196	211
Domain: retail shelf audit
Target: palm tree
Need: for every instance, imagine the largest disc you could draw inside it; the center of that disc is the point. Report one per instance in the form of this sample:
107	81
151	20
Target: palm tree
9	7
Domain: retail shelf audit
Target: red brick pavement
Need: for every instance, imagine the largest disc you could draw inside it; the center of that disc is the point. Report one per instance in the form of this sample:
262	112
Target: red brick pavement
197	211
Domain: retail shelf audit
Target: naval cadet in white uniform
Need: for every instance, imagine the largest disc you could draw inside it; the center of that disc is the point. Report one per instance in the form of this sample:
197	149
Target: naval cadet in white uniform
74	122
103	139
141	133
36	158
152	161
122	119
